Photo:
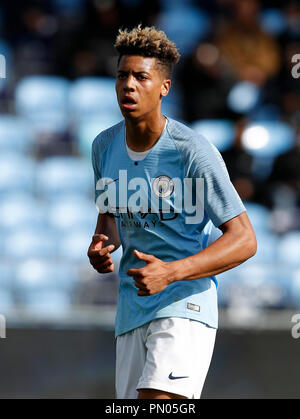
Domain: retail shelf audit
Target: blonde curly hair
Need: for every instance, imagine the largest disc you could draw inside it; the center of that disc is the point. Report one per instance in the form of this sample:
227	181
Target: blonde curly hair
148	42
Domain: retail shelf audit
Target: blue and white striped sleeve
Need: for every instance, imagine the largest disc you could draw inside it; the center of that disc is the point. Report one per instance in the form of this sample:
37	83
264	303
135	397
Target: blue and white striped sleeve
96	164
221	200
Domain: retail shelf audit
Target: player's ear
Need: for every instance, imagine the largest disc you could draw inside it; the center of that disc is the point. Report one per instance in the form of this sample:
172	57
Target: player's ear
165	87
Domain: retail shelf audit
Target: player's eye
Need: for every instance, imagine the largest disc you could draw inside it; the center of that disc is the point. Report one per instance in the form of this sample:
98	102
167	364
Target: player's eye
121	76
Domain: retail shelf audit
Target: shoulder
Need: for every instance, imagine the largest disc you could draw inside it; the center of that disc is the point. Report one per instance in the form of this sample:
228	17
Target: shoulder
190	143
102	141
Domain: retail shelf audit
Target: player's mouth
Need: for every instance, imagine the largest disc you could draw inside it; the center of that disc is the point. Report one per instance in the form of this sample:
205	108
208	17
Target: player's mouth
128	102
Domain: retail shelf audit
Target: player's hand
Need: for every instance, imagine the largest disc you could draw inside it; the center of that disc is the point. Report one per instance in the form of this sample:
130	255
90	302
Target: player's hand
99	255
152	278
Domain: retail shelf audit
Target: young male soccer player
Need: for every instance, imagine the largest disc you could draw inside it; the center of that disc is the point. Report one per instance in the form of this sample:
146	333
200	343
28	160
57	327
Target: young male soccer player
159	188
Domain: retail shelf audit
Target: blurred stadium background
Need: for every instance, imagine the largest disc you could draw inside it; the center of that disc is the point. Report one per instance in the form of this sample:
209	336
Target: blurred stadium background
234	84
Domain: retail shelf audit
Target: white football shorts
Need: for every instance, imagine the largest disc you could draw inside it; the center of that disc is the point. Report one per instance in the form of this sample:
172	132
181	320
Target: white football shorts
170	354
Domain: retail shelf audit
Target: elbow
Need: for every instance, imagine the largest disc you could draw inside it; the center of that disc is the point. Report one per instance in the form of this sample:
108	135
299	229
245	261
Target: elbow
249	244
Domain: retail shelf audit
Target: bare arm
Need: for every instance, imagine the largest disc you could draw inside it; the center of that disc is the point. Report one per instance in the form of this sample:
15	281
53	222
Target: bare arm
235	246
98	253
106	225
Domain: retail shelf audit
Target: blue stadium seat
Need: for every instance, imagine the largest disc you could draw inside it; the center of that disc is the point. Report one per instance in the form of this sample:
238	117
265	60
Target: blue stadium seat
48	304
17	173
36	274
74	246
260	216
243	97
28	243
289	249
226	280
268	139
219	132
88	130
94	97
22	210
6	275
15	135
46	287
268	287
185	25
7	302
71	213
295	287
58	176
44	101
267	248
258	285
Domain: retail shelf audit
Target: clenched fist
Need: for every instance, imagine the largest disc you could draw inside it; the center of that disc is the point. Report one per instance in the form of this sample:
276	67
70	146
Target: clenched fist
99	255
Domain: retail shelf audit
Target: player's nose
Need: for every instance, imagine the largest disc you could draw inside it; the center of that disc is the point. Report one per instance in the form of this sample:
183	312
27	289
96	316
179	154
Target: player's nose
129	84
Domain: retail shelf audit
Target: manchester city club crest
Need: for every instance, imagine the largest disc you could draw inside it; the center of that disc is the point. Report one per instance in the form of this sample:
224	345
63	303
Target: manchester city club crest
163	186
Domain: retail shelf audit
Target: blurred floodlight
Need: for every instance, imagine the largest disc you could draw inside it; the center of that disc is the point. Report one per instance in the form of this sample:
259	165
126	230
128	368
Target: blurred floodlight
268	138
243	97
255	137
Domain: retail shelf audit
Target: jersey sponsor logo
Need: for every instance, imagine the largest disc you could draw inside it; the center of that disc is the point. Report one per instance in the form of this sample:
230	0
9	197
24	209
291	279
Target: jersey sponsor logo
160	195
171	376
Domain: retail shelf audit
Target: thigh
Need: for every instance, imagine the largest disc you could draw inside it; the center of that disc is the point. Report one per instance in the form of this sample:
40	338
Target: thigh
130	361
173	361
203	338
158	394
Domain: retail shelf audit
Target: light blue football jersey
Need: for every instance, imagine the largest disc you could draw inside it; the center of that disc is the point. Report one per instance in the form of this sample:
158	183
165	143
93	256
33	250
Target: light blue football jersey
164	226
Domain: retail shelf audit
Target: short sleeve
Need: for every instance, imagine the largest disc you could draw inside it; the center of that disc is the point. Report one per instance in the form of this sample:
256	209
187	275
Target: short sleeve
221	200
96	165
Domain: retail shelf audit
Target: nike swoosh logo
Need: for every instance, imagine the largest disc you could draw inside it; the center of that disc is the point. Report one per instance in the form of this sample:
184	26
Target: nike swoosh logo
171	377
108	183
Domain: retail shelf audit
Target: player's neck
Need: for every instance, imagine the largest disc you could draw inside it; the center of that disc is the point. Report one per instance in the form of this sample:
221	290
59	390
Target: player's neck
143	134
